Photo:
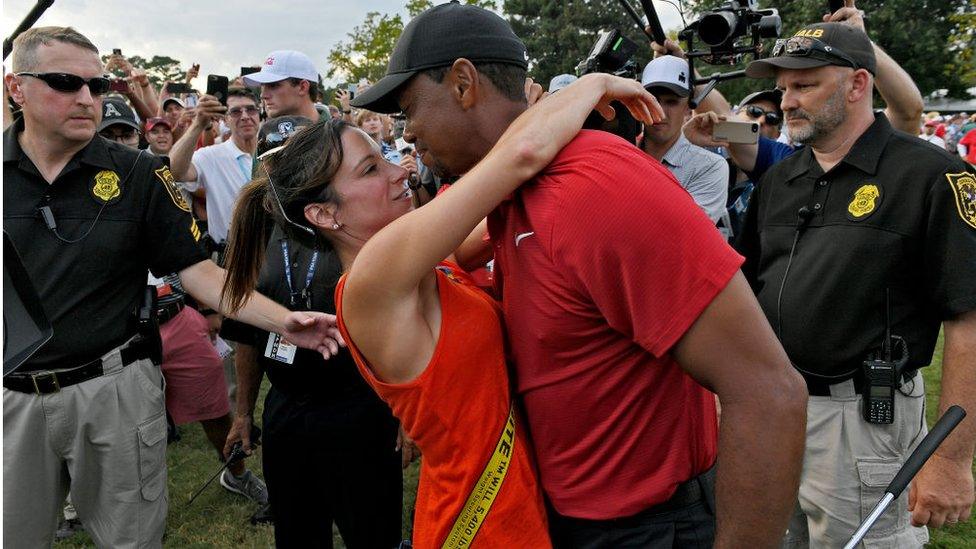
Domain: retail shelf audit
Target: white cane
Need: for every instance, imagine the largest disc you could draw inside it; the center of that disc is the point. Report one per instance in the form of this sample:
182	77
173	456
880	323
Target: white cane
922	453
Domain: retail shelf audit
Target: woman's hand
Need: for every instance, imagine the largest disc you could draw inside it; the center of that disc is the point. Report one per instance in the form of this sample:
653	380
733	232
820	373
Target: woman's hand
641	104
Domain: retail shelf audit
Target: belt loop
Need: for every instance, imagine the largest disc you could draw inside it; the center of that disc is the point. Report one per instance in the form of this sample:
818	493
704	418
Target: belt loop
843	390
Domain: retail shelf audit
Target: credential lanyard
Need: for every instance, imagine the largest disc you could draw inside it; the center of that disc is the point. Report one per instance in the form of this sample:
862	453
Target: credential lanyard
308	276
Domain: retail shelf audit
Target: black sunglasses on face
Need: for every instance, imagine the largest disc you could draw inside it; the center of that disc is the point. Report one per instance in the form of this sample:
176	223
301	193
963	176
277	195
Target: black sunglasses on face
755	111
124	135
804	46
70	83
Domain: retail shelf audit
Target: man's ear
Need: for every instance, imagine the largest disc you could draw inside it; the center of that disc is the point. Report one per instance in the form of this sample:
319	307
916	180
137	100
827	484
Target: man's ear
861	84
304	86
463	78
321	215
12	82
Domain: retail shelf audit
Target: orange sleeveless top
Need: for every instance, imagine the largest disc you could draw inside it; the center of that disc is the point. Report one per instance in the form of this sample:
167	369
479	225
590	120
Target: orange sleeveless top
455	411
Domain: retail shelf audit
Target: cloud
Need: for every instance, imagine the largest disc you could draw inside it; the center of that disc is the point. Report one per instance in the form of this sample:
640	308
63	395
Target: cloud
220	35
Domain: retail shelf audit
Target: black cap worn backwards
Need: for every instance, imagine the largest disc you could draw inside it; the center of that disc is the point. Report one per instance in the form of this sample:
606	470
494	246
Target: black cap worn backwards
437	38
817	46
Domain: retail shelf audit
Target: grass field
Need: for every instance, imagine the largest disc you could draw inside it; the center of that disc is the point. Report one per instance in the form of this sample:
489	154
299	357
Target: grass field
220	519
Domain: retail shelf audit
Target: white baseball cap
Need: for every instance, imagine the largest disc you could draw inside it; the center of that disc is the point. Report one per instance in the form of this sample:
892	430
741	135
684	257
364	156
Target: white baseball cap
668	72
561	81
283	64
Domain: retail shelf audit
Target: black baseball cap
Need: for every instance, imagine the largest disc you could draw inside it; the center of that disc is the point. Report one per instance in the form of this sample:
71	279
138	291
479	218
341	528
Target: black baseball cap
437	38
116	111
818	45
774	96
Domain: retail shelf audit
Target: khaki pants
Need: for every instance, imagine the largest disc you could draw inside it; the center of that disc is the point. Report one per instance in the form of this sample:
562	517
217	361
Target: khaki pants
105	438
847	465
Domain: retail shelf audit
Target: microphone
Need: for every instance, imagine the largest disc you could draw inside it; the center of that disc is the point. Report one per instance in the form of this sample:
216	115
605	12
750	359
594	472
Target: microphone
48	216
803	216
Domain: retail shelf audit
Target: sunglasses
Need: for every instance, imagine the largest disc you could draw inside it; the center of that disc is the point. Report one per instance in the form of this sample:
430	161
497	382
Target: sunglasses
755	111
238	111
804	46
120	135
274	192
70	83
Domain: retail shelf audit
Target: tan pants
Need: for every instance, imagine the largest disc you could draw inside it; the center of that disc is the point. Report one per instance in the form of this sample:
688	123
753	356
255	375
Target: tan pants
105	438
847	465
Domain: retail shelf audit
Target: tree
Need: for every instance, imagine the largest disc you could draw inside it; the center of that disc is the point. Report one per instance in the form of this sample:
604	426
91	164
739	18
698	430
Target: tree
367	52
558	34
159	68
913	32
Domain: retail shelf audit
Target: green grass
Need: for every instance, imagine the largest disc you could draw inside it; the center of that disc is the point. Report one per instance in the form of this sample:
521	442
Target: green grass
220	519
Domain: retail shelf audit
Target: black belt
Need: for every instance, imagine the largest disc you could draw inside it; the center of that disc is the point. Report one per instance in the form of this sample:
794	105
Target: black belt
821	388
43	383
167	311
690	492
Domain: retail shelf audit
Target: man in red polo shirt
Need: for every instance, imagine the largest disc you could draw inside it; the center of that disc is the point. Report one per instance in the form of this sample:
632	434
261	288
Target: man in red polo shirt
623	307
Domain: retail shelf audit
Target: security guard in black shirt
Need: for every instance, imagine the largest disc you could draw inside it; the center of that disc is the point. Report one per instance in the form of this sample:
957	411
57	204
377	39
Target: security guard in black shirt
90	218
859	248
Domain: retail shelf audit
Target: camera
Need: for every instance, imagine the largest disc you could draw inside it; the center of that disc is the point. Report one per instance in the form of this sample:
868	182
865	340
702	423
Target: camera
612	54
723	28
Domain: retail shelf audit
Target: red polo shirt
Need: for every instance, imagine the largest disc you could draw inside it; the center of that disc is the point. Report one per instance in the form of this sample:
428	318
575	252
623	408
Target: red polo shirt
603	262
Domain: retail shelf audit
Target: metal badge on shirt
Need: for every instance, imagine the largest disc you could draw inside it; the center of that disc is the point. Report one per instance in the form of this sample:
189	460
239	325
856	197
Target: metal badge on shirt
280	350
865	201
106	187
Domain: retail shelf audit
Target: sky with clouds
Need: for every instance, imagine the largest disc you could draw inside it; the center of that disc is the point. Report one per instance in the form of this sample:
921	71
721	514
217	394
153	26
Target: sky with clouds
220	35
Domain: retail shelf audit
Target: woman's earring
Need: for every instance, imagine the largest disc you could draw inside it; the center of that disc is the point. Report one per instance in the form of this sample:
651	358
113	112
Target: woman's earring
335	226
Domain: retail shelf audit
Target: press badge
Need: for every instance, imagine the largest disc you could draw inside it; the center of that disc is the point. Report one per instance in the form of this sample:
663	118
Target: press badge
280	350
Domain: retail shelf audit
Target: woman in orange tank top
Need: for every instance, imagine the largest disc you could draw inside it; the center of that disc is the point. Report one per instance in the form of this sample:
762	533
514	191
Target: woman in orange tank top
426	339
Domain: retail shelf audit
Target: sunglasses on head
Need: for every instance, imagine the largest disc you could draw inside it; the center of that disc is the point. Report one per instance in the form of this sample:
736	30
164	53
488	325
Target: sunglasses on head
70	83
804	46
755	111
274	192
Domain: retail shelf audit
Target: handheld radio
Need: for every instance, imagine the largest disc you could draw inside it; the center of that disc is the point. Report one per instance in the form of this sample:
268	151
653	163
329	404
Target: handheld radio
882	377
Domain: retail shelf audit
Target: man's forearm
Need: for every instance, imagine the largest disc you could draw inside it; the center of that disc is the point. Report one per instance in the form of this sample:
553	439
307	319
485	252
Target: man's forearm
140	106
760	459
249	376
901	95
182	153
959	385
205	280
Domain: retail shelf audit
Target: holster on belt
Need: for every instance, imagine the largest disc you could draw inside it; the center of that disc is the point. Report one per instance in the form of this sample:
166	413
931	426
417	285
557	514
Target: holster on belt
148	326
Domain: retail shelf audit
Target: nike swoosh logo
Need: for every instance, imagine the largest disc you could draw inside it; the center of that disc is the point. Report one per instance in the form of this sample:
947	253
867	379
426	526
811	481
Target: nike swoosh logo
520	237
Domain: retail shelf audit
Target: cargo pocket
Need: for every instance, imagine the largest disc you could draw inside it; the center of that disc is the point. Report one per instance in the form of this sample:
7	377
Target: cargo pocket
875	476
152	457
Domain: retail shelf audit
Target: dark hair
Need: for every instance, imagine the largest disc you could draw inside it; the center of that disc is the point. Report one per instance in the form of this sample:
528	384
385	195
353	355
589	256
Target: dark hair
507	79
237	91
301	173
313	87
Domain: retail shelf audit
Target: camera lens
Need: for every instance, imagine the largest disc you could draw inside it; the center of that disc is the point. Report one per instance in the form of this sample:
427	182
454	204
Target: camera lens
755	128
716	28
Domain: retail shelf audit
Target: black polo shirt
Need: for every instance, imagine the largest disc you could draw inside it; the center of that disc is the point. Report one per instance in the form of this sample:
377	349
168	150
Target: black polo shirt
90	289
896	213
309	375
